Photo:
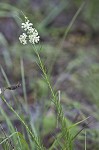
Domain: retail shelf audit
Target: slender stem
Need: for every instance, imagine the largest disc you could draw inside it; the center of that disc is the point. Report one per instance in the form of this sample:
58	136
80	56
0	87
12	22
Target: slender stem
44	72
71	23
85	141
60	114
40	147
24	83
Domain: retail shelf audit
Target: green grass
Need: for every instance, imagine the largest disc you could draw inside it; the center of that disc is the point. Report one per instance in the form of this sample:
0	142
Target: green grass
32	133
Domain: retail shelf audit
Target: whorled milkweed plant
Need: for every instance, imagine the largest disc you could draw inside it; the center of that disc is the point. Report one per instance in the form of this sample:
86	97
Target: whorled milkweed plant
31	35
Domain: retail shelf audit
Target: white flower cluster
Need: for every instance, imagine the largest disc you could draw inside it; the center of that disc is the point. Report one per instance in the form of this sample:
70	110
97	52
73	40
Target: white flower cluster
31	33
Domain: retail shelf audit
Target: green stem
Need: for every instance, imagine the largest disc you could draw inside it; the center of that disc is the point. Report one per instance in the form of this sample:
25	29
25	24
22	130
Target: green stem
44	72
40	147
60	114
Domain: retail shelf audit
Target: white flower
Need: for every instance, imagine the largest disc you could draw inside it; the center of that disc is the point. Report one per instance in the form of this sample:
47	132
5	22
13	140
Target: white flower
22	38
0	91
26	25
31	33
30	30
34	38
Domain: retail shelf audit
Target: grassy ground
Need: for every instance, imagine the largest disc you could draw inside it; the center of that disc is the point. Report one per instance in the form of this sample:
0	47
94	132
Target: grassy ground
56	106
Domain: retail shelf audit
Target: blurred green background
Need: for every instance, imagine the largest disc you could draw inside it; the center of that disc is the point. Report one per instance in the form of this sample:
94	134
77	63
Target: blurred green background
70	53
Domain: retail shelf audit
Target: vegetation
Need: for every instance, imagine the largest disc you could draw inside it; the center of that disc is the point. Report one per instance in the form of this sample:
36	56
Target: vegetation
49	88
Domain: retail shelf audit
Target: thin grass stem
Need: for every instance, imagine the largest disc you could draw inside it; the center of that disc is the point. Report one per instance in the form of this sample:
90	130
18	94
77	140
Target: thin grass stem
36	140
